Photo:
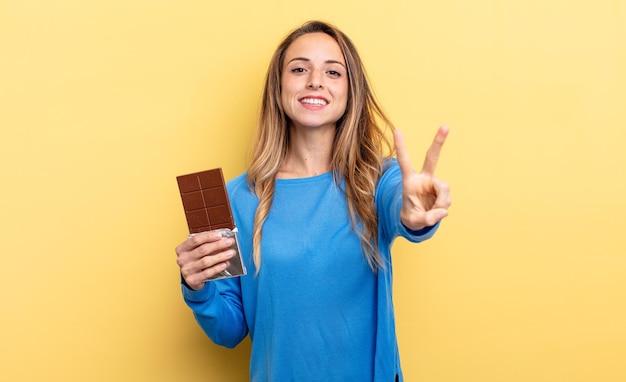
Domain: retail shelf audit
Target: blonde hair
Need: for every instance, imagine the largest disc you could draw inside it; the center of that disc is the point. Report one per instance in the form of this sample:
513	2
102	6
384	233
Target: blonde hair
359	147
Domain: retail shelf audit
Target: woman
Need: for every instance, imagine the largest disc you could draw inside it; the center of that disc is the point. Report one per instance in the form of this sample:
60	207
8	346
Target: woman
317	212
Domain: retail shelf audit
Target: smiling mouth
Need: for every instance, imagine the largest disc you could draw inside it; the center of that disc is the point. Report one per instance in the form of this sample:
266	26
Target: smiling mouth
314	101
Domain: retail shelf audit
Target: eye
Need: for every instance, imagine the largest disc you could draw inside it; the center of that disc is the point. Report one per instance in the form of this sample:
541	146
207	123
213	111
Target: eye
334	73
297	70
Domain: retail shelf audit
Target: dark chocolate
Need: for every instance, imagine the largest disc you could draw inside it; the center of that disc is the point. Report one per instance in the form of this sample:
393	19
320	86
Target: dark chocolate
205	201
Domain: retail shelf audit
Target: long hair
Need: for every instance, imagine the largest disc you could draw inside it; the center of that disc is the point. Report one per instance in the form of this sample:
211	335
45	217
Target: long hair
359	146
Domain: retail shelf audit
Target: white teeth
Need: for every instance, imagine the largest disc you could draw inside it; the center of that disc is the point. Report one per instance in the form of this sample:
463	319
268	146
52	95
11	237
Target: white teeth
313	101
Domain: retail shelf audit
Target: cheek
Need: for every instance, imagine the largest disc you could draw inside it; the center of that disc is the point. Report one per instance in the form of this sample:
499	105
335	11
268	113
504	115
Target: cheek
286	91
344	97
342	89
283	93
286	101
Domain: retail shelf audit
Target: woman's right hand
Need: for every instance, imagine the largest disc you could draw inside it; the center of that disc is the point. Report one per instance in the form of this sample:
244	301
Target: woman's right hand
203	256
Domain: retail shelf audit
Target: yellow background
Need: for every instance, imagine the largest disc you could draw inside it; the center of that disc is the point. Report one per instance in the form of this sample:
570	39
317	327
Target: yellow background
103	103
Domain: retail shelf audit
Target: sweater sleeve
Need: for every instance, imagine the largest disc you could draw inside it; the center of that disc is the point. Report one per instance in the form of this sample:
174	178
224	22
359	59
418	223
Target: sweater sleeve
218	310
388	201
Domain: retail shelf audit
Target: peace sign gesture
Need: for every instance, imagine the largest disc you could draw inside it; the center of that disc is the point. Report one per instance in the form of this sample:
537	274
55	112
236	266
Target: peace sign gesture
425	198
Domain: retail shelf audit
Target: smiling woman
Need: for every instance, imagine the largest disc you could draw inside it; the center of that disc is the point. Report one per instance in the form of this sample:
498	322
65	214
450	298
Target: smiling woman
314	92
103	103
321	204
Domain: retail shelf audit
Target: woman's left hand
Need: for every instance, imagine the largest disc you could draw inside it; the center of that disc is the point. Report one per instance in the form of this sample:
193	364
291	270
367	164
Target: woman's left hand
425	198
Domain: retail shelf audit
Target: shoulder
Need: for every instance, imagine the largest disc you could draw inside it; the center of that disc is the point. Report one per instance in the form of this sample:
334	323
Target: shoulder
391	173
389	185
238	184
242	199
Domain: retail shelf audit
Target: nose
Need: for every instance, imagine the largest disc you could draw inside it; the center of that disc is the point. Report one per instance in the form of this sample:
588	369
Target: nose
315	81
314	85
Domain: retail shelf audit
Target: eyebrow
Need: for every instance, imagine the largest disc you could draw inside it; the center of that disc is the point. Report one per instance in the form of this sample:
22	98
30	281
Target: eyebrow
308	60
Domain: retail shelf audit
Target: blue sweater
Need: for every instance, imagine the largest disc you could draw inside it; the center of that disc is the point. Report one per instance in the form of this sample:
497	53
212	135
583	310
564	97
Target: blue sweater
315	311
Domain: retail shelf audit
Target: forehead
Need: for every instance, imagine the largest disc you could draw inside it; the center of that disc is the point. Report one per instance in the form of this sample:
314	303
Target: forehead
315	47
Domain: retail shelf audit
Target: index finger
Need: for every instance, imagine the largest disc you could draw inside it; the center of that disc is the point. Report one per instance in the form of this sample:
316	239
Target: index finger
432	155
402	155
197	239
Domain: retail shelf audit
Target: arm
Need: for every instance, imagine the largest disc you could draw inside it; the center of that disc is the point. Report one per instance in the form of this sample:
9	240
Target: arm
218	309
216	305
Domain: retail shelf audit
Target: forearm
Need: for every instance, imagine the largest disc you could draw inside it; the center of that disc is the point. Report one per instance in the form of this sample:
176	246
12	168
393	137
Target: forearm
218	311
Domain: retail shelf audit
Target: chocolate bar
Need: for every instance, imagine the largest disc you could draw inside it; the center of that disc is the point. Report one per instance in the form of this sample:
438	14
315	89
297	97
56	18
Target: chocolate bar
207	208
205	201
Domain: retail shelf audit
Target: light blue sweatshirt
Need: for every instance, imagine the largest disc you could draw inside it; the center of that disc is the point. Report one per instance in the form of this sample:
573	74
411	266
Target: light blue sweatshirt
316	311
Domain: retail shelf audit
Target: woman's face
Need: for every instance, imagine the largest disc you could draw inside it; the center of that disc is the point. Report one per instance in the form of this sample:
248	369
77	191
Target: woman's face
314	82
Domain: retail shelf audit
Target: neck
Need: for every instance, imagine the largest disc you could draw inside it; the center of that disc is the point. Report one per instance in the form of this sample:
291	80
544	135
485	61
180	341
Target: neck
310	153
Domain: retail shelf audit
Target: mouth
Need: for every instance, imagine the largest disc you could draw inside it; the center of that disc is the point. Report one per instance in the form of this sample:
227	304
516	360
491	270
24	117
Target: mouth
313	101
